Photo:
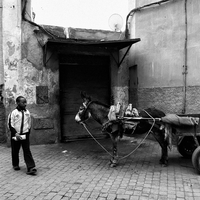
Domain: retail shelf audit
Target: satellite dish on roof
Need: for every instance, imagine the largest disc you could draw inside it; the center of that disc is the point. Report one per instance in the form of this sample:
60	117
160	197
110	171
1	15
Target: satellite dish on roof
115	22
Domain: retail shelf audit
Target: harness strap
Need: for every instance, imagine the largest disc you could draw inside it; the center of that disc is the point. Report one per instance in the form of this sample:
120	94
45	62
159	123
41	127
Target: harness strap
109	123
86	106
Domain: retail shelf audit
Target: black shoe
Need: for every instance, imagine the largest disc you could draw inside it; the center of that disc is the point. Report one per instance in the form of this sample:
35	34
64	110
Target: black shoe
32	171
16	168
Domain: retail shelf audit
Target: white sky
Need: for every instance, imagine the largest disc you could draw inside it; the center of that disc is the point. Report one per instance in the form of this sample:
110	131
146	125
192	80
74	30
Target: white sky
89	14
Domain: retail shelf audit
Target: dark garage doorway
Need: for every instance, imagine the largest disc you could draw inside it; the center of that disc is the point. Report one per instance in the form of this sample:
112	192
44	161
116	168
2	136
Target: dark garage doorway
90	73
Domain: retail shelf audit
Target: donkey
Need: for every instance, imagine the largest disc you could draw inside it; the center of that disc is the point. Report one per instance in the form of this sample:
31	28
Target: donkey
99	112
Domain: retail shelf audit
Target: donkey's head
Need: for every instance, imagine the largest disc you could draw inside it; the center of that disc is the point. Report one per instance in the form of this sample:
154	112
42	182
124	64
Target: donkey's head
83	113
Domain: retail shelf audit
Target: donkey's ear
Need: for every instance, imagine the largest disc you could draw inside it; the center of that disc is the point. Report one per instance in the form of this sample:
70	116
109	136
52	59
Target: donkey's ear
83	94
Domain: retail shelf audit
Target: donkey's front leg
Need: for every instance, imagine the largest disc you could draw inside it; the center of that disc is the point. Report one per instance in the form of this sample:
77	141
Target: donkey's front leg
114	159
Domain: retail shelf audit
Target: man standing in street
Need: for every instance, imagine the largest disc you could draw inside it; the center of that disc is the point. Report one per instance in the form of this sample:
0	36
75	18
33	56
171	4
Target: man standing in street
19	122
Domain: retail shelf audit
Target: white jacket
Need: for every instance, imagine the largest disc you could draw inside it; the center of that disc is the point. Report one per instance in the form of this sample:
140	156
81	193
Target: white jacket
15	119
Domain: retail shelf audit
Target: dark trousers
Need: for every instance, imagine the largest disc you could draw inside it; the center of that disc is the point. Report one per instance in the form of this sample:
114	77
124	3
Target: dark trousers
15	147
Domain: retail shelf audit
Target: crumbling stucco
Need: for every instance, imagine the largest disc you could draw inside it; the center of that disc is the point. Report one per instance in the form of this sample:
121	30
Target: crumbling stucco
32	44
121	95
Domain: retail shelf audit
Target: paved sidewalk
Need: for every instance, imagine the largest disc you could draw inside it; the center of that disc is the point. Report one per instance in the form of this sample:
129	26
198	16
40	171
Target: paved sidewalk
80	170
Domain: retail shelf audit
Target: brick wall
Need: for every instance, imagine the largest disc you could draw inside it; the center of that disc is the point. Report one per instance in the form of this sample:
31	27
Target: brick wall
167	99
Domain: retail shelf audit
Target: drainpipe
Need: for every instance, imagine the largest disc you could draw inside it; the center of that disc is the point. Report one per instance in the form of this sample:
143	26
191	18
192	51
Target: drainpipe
185	68
25	4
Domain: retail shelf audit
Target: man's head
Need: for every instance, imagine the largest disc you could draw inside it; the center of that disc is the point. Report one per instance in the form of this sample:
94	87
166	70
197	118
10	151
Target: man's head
21	102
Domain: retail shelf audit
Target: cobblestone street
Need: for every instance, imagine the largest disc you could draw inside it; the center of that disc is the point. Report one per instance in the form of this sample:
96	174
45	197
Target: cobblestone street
80	170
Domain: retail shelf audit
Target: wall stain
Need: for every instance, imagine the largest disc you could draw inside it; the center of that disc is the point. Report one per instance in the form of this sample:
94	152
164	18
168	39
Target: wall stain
12	65
10	97
14	89
1	92
11	48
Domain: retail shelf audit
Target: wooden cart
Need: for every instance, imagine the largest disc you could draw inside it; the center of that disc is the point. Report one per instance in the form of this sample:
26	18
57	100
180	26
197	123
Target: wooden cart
186	138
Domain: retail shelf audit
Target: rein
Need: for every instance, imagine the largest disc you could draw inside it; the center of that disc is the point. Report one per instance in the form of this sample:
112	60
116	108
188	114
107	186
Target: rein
154	121
84	125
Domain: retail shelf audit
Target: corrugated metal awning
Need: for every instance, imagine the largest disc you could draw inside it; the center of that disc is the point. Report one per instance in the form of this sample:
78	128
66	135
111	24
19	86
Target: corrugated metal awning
112	44
106	45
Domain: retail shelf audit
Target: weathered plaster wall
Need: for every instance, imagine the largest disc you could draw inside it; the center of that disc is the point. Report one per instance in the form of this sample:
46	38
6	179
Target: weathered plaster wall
24	71
90	34
120	83
160	56
2	107
11	45
35	73
85	34
1	45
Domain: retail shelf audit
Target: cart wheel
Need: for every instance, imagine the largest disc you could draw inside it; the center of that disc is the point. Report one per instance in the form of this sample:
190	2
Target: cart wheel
186	146
196	159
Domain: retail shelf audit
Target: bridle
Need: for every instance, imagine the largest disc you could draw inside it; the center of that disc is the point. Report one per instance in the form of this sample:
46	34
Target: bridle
83	111
87	105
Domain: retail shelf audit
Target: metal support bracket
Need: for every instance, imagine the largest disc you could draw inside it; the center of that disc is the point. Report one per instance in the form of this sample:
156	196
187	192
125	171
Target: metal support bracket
119	62
45	60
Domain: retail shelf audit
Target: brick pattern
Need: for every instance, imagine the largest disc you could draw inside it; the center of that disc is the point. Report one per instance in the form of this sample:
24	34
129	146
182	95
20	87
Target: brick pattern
79	170
168	99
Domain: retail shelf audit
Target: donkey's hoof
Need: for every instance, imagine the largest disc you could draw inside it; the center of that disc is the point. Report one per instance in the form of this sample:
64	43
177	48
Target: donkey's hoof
113	165
164	163
113	162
